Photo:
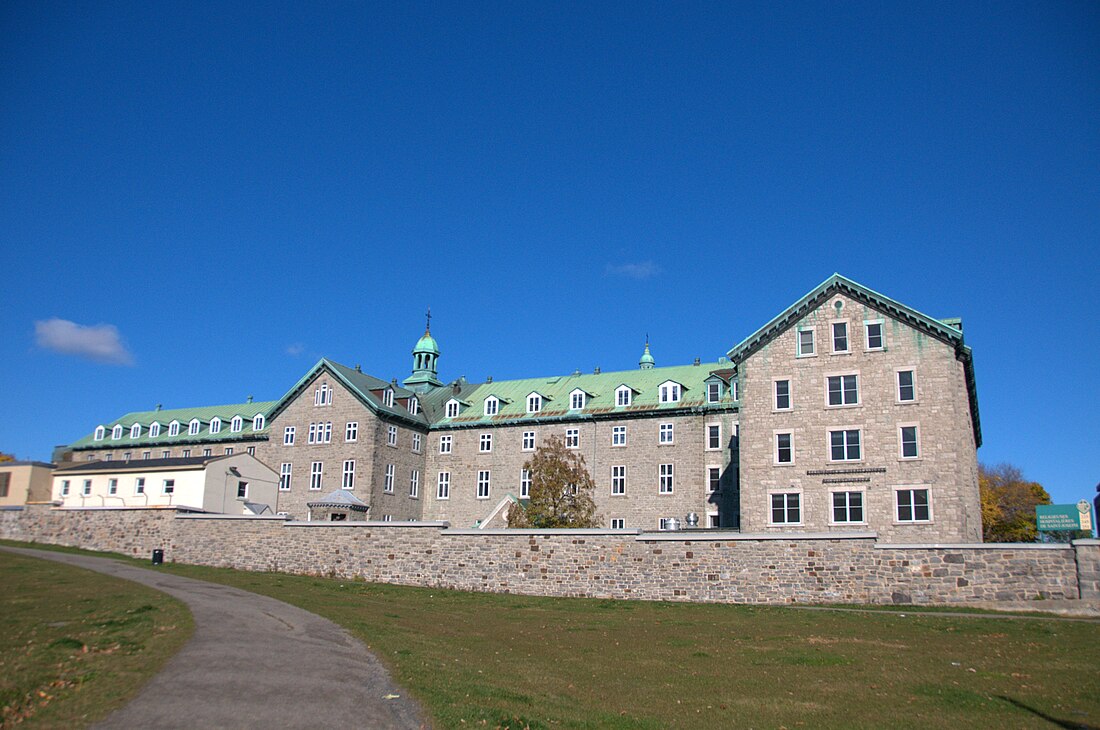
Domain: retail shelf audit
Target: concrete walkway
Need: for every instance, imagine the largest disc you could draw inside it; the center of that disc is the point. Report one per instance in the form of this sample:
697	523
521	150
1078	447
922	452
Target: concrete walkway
254	662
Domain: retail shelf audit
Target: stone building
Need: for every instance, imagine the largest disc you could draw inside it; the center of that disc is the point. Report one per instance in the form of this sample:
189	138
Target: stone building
847	412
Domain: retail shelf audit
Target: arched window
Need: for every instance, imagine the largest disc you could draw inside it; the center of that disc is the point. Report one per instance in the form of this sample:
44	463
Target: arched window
492	405
414	405
236	424
174	428
258	422
100	432
116	432
135	431
194	426
154	429
215	425
387	398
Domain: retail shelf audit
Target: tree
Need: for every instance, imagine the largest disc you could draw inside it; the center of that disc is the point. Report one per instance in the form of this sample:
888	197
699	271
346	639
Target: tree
1008	504
561	490
6	457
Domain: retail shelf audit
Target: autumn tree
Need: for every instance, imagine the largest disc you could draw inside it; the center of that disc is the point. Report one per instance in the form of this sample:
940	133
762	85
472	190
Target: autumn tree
6	457
561	490
1008	504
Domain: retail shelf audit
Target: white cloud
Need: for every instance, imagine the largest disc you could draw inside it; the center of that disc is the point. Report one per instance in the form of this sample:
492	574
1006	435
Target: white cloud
634	270
100	343
296	349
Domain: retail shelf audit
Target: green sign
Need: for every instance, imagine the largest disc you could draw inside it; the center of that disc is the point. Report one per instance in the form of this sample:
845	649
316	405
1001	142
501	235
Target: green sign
1064	516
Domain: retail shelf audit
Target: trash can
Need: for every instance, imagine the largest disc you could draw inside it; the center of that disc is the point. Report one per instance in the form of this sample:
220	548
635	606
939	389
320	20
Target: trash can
158	557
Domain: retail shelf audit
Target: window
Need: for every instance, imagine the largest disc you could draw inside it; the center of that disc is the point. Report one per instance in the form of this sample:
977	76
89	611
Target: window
714	392
112	486
187	453
174	428
387	398
166	454
126	456
734	390
666	480
139	485
840	337
414	483
116	432
908	442
492	406
316	473
108	457
572	438
618	480
351	431
322	396
524	483
193	427
907	386
215	425
534	403
206	452
100	432
135	431
714	520
485	443
665	433
348	480
443	486
784	450
670	392
242	490
873	338
623	396
445	444
146	454
391	435
782	395
844	445
452	408
416	440
847	507
912	505
805	342
65	488
414	406
236	424
228	450
284	477
288	436
483	485
154	429
843	390
576	400
87	489
169	486
528	441
714	436
618	523
786	508
258	422
618	435
387	485
714	478
320	433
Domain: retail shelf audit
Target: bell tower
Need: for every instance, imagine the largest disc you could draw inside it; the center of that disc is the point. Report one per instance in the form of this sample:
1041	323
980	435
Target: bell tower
425	365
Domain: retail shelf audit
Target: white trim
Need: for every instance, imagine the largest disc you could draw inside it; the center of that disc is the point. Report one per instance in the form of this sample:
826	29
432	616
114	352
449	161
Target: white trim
912	487
706	435
866	335
897	385
798	341
775	446
842	489
901	444
845	374
847	336
801	506
775	394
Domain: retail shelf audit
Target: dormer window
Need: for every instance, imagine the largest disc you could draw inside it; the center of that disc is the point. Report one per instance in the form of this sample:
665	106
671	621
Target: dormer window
236	424
174	428
452	408
154	429
135	431
100	432
322	396
577	399
215	425
669	392
116	432
714	391
387	398
258	422
623	396
414	405
492	405
194	426
534	403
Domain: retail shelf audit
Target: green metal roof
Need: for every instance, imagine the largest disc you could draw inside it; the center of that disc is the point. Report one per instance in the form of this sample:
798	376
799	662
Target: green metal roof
247	411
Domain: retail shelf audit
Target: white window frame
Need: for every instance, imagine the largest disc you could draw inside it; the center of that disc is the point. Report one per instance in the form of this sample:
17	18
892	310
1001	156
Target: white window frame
116	432
714	478
714	391
168	486
867	324
174	428
618	480
776	447
227	452
417	443
670	391
666	434
527	442
414	484
186	454
391	436
139	485
485	443
387	397
112	486
65	486
912	504
577	399
258	422
798	343
347	479
86	488
786	494
616	433
847	337
618	523
316	476
776	395
666	479
897	386
847	506
624	396
100	433
443	486
154	429
215	425
524	483
916	442
484	484
845	430
351	432
236	425
843	392
534	402
135	431
446	443
288	436
452	408
414	406
285	476
713	429
735	390
194	427
572	438
492	405
323	395
388	479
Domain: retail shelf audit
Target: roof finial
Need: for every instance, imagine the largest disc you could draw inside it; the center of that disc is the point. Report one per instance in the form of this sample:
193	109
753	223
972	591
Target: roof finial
646	362
428	327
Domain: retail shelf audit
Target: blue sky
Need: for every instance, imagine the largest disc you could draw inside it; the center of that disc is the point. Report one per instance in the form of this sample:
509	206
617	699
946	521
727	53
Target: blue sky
215	195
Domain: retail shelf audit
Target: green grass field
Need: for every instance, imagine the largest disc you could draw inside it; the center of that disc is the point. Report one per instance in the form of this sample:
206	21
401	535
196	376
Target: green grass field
75	645
484	660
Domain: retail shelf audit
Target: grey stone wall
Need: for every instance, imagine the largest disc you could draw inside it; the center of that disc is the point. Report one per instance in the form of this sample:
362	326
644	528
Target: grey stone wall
704	566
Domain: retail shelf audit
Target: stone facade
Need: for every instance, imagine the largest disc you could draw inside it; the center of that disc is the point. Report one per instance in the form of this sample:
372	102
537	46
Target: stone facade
706	566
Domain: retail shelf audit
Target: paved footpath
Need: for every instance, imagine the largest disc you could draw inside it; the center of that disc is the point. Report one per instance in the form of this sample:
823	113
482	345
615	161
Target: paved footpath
254	662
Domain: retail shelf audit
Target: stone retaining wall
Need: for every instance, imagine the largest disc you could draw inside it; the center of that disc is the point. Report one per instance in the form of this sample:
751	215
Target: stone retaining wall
703	566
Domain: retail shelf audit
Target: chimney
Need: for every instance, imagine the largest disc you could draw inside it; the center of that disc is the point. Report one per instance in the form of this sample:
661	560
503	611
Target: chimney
249	398
357	368
158	406
596	371
696	363
488	378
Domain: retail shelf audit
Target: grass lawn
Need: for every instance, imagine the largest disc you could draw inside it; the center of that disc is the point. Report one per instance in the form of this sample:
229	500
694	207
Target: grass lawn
75	645
512	661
